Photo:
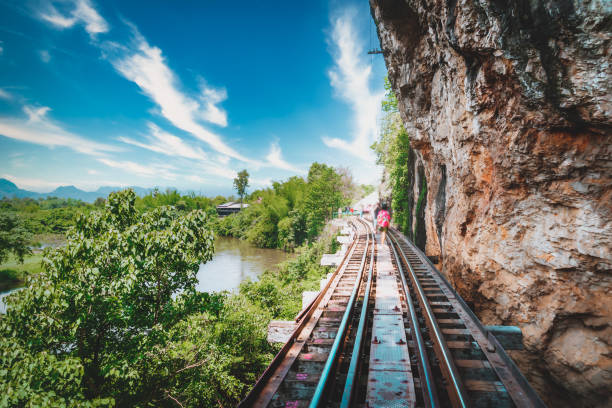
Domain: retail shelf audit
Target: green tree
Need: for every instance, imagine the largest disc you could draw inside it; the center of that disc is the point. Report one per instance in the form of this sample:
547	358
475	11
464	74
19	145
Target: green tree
241	182
393	151
14	237
323	196
90	329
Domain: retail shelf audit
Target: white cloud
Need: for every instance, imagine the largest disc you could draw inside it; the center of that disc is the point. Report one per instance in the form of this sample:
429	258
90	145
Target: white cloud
163	142
147	68
260	182
350	77
44	56
163	171
82	12
36	114
209	168
5	95
1	47
39	129
223	159
275	159
93	172
210	97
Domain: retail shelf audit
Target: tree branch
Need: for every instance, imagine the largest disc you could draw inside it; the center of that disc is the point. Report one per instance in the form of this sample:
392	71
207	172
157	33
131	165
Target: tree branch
173	399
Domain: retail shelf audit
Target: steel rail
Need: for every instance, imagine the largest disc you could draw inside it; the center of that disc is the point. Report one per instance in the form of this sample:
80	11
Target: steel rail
347	394
331	358
428	386
322	292
455	386
253	395
513	379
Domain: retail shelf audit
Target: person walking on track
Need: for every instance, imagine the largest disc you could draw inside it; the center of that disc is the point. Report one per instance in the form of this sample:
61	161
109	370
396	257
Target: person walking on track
383	219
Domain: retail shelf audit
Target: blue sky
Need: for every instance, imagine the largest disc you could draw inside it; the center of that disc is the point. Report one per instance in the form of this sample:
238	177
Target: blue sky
185	93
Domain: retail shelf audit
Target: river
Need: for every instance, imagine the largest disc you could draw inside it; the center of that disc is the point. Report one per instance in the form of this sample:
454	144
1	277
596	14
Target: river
234	261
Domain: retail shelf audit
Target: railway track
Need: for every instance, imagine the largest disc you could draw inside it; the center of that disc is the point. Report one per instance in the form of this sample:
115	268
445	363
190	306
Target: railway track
389	331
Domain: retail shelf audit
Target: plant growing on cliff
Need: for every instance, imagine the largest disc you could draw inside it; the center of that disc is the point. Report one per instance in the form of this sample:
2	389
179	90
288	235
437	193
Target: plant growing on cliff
393	151
96	326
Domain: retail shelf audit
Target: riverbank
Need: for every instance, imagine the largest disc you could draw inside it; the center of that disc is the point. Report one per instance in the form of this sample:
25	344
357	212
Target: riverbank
207	350
14	273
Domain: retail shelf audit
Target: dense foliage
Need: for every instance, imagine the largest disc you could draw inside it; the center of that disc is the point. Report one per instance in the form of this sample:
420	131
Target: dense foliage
14	237
291	212
102	302
114	319
56	215
394	153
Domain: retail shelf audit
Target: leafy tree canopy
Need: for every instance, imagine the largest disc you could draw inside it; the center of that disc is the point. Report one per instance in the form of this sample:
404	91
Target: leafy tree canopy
241	182
104	323
14	237
293	210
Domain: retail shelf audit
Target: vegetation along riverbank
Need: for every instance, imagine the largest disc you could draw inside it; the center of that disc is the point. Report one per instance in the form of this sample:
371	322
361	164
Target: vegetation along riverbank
113	318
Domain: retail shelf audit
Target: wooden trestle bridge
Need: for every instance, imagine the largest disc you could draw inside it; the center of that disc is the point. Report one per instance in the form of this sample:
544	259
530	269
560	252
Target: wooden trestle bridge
388	330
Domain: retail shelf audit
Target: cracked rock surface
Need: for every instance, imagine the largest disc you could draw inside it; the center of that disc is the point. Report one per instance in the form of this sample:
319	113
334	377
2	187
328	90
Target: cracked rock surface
508	106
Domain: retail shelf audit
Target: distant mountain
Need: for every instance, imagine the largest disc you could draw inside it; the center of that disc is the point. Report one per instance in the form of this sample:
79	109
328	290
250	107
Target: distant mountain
10	189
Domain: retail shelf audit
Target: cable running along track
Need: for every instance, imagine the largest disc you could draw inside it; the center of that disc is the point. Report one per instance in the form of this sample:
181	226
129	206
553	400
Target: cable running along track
388	330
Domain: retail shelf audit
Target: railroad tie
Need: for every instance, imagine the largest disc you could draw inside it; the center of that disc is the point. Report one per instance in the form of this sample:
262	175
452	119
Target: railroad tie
390	381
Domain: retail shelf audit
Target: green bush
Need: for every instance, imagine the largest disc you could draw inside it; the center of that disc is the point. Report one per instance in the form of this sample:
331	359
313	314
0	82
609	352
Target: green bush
291	212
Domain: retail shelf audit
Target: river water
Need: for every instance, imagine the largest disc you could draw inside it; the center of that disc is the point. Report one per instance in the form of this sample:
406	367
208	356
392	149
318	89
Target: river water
233	262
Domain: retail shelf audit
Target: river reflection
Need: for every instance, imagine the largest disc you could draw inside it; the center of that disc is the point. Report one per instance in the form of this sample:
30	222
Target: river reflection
234	261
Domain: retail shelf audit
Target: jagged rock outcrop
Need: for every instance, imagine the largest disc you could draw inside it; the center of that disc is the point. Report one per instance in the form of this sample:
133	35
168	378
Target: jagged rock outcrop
508	106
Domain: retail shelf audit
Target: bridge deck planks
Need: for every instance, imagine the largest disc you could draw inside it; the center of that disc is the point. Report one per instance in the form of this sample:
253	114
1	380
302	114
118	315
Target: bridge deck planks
390	381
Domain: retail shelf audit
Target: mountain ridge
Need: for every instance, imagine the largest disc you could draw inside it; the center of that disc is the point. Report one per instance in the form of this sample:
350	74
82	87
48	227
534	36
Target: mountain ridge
9	189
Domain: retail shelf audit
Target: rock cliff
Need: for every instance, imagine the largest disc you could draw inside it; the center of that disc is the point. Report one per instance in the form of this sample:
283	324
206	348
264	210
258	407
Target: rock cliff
508	107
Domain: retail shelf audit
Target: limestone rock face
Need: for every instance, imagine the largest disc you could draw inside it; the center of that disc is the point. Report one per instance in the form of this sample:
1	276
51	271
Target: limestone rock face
508	106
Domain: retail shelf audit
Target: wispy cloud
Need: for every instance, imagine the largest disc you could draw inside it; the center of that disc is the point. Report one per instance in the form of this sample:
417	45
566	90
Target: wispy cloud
350	78
163	171
39	129
275	159
5	95
166	143
146	67
260	182
79	12
210	98
44	56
